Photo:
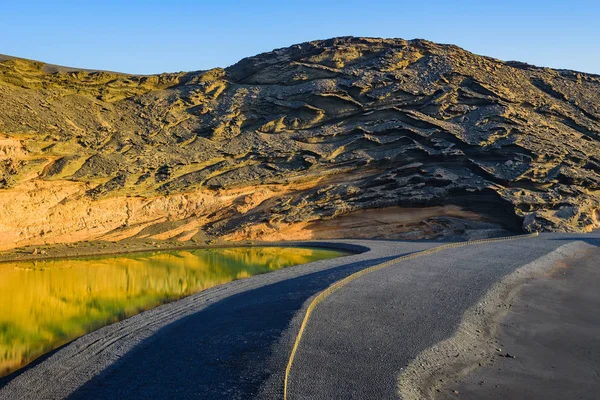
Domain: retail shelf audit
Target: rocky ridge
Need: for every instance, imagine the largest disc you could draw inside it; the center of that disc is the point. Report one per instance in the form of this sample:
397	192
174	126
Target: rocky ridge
344	137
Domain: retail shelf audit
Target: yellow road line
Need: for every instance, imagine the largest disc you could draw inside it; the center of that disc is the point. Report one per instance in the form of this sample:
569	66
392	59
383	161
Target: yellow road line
335	286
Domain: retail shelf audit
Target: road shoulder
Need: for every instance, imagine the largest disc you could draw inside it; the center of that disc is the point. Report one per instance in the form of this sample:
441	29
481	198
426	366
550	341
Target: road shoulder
475	343
553	332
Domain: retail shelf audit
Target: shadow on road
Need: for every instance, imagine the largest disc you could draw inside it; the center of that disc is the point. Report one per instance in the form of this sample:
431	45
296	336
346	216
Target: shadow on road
221	352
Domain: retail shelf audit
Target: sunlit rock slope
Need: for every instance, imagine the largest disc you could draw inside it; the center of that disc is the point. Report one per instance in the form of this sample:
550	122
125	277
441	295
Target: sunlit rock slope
347	137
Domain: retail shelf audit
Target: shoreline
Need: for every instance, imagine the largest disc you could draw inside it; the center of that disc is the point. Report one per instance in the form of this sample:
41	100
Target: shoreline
21	351
92	248
24	254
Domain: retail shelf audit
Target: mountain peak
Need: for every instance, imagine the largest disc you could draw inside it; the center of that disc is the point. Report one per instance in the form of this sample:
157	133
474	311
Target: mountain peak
309	141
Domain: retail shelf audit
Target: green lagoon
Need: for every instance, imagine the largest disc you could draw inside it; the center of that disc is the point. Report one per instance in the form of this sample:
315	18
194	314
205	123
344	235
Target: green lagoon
46	304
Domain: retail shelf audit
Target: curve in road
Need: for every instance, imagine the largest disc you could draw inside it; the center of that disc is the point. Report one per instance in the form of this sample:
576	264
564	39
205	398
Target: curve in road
360	339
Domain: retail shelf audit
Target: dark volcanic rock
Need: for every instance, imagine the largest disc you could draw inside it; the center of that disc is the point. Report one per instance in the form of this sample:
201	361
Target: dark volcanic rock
337	126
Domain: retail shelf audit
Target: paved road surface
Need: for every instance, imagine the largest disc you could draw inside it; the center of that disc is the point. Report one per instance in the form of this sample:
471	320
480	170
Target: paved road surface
360	337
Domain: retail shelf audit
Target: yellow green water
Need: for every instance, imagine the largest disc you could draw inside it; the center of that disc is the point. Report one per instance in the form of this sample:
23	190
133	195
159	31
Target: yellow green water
46	304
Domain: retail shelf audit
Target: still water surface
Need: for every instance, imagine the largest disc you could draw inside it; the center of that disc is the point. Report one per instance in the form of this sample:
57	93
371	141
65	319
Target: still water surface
46	304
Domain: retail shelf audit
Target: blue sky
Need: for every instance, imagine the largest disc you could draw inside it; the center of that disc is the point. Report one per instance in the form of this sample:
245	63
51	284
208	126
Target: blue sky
157	36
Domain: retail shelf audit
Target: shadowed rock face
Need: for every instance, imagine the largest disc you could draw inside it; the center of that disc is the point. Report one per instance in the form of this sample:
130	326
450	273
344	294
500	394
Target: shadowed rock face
284	144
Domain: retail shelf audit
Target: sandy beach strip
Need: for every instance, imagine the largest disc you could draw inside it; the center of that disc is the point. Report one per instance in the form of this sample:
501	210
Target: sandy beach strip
548	345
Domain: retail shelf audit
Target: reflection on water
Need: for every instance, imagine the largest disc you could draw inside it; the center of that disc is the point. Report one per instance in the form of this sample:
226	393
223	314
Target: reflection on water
48	303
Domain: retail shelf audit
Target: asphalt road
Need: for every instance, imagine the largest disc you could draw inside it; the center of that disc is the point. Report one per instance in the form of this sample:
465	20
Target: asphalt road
233	342
361	337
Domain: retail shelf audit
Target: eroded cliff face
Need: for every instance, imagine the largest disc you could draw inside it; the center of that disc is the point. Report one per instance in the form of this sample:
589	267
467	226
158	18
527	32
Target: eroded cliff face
348	137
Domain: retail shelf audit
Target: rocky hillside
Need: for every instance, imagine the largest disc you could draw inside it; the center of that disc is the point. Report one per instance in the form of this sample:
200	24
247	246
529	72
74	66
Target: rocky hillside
348	137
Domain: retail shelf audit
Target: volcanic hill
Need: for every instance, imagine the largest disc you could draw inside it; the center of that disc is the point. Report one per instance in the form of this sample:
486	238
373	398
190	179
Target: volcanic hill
347	137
